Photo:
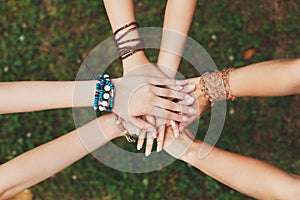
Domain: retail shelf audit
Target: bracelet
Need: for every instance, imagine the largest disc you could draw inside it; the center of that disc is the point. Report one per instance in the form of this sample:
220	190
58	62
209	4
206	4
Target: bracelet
215	86
104	94
126	26
225	76
126	134
125	50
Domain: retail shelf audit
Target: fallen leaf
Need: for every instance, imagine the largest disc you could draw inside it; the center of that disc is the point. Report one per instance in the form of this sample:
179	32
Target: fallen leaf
248	54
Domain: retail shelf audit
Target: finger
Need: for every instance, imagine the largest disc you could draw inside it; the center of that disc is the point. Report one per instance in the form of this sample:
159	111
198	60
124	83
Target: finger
160	138
133	130
138	131
165	114
189	121
141	139
142	124
188	88
149	144
181	128
175	107
165	92
165	81
175	128
151	120
187	102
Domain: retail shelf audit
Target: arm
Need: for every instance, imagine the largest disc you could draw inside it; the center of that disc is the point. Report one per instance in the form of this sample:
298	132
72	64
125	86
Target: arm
177	21
36	95
120	13
247	175
244	174
44	161
134	96
271	78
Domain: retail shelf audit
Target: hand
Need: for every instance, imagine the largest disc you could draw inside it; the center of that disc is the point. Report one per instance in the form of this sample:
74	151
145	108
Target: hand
139	96
176	147
139	65
200	103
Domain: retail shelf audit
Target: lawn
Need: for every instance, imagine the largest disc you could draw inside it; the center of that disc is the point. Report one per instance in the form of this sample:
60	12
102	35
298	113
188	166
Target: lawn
48	40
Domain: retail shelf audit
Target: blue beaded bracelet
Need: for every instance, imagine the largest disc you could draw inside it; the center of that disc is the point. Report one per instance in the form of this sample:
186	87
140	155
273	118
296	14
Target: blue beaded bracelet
104	94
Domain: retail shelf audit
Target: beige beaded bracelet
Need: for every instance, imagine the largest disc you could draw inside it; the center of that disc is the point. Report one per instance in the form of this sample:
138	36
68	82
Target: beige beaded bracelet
126	134
215	86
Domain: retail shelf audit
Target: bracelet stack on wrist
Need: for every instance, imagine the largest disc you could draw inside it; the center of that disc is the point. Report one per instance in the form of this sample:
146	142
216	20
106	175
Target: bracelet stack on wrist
127	45
215	86
104	94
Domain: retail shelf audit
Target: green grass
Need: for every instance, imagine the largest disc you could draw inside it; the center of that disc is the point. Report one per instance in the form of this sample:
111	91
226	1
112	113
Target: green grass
48	41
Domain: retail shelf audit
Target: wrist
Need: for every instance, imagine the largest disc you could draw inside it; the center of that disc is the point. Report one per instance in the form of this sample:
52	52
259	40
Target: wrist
108	126
191	154
215	86
134	61
129	44
179	147
168	63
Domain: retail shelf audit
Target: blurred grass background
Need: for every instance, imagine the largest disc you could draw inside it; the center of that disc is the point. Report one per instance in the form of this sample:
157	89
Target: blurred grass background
47	40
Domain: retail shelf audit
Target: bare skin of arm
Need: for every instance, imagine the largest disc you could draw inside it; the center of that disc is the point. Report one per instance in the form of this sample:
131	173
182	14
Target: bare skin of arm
271	78
249	176
177	21
46	160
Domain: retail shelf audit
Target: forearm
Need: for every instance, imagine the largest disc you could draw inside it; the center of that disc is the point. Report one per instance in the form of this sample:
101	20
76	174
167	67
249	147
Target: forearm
119	14
30	96
247	175
272	78
44	161
177	21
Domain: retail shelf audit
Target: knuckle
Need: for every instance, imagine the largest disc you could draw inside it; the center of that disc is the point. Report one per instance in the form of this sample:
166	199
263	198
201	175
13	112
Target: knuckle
166	93
149	89
170	115
172	106
159	80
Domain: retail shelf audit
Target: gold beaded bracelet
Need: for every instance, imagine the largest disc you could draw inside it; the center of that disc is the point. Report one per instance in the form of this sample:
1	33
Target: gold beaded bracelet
225	76
215	85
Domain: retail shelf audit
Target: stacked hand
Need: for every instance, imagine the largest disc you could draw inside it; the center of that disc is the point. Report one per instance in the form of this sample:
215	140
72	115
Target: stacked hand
152	104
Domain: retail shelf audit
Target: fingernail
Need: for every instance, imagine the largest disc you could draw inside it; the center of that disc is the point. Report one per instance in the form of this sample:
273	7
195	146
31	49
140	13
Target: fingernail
151	130
158	149
172	123
176	134
185	118
192	111
181	82
181	128
187	96
147	153
154	135
191	87
190	100
178	87
139	146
